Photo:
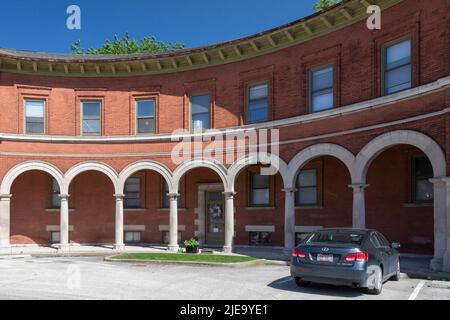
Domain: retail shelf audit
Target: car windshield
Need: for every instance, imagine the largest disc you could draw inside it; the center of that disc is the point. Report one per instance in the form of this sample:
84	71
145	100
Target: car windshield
335	237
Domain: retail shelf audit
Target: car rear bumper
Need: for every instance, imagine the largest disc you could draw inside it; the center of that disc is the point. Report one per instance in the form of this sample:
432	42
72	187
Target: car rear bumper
353	276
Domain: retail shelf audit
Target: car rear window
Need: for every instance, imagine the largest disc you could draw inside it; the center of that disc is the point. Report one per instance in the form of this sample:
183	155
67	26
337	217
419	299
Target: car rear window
335	237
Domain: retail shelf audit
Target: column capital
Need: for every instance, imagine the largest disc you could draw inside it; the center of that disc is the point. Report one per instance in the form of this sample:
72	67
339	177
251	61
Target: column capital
119	196
173	196
64	196
5	197
358	187
229	194
290	190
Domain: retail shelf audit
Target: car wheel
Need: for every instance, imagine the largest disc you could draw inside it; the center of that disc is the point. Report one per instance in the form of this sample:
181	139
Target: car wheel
396	276
302	283
375	285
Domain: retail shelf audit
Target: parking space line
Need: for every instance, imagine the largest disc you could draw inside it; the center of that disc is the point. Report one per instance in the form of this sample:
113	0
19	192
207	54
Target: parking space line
417	289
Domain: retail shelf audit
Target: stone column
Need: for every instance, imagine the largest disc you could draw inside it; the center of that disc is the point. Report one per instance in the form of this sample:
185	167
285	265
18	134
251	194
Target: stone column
446	222
289	220
119	244
64	222
359	206
439	216
5	205
173	222
229	221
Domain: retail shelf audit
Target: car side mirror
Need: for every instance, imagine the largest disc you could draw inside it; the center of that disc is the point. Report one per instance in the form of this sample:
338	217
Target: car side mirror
395	245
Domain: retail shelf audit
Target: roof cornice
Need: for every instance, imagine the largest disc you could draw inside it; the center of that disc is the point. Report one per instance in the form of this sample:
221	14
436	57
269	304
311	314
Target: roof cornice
340	16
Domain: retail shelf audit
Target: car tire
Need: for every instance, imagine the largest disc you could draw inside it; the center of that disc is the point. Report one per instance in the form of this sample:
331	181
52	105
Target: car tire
396	276
377	287
302	283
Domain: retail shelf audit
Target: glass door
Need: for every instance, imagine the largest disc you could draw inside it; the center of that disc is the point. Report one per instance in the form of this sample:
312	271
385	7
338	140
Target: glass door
215	218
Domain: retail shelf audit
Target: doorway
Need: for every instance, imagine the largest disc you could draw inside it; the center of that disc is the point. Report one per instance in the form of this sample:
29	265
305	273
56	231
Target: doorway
215	218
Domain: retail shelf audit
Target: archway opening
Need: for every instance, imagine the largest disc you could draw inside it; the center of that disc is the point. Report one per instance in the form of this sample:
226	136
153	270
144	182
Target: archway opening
399	198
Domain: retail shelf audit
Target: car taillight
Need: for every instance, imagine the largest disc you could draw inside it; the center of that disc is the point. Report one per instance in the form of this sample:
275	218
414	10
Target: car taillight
357	256
298	253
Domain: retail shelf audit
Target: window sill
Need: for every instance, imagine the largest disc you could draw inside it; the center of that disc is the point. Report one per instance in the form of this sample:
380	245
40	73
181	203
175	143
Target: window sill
57	210
134	209
167	209
308	207
417	205
259	208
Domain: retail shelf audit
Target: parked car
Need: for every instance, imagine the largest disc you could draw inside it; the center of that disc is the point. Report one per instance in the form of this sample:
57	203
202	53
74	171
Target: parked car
360	258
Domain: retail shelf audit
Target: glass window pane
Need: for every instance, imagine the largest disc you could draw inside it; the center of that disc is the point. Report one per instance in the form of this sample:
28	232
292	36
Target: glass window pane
200	104
260	181
34	127
307	178
55	237
424	169
322	100
91	110
398	54
424	190
307	195
200	121
258	92
34	108
146	125
260	197
398	79
91	126
322	79
146	108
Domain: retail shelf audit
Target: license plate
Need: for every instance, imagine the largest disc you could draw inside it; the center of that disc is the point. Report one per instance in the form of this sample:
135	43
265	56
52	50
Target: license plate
325	257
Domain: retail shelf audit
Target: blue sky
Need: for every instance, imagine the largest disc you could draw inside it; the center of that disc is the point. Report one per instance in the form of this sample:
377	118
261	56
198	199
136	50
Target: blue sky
40	25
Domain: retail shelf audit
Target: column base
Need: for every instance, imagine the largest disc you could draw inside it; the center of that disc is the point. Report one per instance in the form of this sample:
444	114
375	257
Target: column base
446	262
119	247
62	247
173	248
436	264
227	249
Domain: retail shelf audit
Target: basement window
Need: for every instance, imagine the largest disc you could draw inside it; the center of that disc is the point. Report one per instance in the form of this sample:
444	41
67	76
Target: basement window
260	238
166	237
132	237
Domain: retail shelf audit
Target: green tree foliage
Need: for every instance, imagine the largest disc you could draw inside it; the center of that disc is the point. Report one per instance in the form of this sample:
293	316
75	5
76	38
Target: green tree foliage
127	45
324	5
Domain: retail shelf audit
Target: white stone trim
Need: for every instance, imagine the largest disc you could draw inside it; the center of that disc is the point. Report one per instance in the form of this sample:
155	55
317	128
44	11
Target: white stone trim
167	228
17	170
307	228
134	228
145	165
93	166
55	228
440	84
266	228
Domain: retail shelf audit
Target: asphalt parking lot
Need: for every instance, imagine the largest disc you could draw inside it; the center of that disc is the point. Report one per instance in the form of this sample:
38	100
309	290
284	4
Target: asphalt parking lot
92	278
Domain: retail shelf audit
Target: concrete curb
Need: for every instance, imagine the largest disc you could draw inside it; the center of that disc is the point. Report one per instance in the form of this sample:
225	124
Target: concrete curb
253	263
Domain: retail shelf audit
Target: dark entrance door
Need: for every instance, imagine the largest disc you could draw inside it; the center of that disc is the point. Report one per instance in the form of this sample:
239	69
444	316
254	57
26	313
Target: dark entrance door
215	218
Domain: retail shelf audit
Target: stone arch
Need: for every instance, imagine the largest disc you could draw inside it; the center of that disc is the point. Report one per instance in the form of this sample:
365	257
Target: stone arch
17	170
255	158
145	165
385	141
92	166
314	151
212	164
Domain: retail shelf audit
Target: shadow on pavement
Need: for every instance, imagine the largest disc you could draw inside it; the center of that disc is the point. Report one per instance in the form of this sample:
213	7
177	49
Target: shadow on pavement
288	284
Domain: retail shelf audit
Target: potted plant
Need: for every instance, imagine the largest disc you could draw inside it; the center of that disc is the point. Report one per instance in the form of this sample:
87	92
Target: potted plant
191	245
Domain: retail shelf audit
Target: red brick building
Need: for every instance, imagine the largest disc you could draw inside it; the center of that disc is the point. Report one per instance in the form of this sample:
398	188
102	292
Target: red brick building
364	131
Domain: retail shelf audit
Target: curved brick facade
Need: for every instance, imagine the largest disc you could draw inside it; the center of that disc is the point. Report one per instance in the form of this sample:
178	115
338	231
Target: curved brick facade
384	199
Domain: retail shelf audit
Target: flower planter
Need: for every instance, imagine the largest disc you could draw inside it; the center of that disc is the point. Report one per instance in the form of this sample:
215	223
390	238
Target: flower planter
192	249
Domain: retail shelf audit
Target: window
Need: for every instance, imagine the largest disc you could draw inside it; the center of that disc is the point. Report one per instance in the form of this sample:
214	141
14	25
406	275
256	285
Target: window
300	237
55	237
397	67
34	116
307	188
132	236
200	112
56	200
91	118
133	193
260	187
260	238
322	89
146	116
166	198
258	103
423	188
375	241
166	237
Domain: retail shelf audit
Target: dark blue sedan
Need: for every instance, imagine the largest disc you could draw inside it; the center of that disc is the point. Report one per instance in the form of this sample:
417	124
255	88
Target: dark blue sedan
360	258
